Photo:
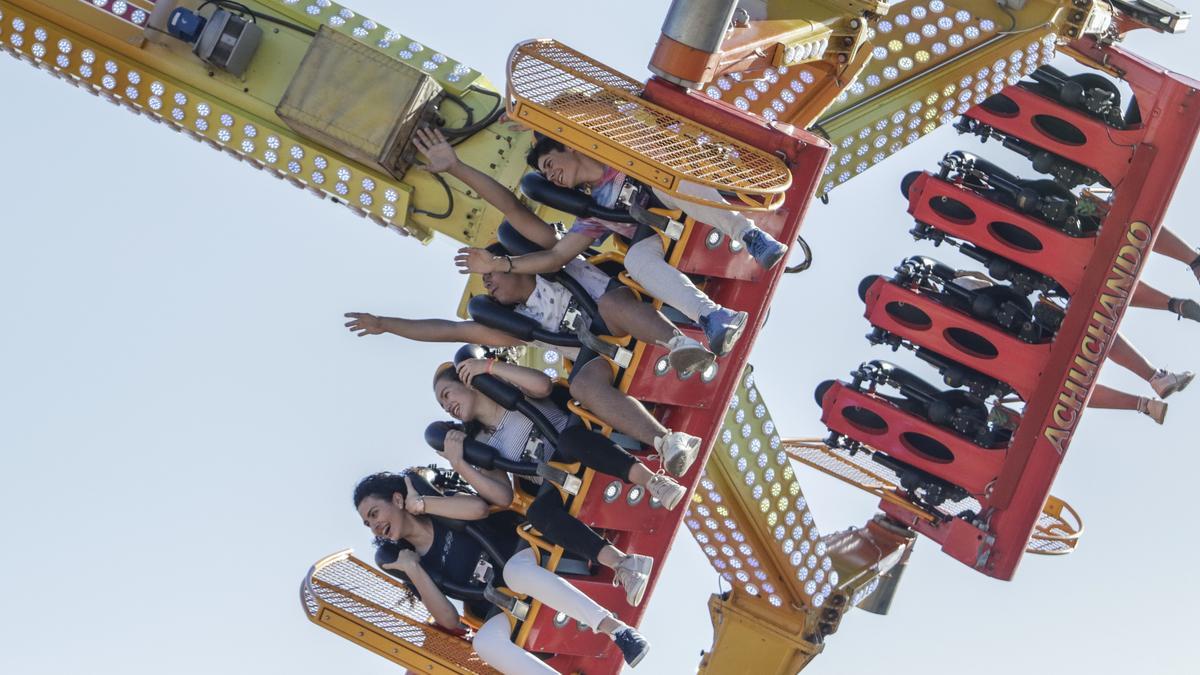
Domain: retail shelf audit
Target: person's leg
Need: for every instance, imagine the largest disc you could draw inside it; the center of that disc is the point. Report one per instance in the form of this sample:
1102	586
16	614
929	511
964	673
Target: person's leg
1173	246
1125	355
592	386
1112	399
1164	382
645	263
1149	297
560	528
494	645
626	315
600	454
523	575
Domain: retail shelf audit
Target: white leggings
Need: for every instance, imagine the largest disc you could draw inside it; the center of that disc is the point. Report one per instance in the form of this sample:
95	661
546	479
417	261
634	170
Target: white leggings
646	265
524	575
644	262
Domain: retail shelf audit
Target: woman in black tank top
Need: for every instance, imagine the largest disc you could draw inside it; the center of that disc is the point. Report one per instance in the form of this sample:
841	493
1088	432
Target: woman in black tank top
390	506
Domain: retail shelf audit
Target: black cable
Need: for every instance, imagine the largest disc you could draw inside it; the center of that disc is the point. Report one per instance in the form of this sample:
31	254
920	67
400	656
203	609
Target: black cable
472	128
449	199
462	105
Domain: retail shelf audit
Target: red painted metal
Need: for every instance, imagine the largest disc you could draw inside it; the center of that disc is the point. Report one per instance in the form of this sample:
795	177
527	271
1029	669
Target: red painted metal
806	154
1016	362
1061	257
1105	149
973	467
1172	111
1145	175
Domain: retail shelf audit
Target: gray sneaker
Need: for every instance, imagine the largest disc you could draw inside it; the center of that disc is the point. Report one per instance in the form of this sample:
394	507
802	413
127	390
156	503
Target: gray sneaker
688	356
678	450
633	575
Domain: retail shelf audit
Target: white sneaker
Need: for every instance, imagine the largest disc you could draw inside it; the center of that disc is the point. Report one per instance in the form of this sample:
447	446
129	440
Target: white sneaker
1166	383
666	490
688	356
1153	408
678	450
633	574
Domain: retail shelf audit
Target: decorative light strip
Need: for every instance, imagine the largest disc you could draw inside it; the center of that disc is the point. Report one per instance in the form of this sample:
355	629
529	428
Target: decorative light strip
81	63
887	132
750	450
449	73
908	44
122	9
809	50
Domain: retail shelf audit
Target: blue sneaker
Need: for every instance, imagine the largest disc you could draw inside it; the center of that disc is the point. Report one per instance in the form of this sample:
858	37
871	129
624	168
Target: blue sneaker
632	645
763	248
723	327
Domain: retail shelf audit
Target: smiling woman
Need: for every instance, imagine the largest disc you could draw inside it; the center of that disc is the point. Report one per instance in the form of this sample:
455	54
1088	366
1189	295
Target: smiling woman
166	333
435	561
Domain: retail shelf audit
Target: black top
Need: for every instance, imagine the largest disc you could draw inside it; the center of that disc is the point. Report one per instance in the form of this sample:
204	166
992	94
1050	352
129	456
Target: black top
455	553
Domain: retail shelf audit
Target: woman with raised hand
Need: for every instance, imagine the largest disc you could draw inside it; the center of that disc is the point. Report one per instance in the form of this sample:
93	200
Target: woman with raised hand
390	506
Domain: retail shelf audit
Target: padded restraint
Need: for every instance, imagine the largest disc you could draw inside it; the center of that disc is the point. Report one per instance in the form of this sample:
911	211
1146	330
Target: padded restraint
511	398
517	244
579	204
476	452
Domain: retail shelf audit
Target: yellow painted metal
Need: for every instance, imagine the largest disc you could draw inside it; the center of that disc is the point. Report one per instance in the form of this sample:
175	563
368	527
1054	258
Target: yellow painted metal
1058	530
813	452
159	77
749	514
590	107
897	73
748	638
354	600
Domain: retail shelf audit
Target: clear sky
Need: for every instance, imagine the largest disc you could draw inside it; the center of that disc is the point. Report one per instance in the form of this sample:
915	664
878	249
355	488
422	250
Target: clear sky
182	415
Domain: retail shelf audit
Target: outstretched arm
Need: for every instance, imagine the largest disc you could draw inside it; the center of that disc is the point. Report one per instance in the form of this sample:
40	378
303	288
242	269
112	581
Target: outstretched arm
442	158
429	330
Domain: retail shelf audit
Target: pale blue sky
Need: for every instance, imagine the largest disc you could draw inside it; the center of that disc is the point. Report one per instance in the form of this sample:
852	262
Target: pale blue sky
182	415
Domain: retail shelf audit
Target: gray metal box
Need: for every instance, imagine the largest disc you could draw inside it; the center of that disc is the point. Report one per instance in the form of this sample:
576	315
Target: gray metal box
357	101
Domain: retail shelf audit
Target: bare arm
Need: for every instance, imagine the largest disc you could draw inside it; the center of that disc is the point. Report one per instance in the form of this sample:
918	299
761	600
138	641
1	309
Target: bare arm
431	596
459	507
540	262
429	330
531	382
492	485
442	158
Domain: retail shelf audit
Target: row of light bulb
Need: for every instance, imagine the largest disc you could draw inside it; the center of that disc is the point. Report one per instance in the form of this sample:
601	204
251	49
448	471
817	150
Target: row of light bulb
201	119
887	135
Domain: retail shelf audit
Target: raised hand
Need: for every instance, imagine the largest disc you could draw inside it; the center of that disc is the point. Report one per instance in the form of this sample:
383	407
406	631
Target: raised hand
413	502
469	368
452	447
405	562
439	154
364	324
479	261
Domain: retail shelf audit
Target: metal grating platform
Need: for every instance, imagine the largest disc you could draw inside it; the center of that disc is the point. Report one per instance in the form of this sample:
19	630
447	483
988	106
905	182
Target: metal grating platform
572	98
346	596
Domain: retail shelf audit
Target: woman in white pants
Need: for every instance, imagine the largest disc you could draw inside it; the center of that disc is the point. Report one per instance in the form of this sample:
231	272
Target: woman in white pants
392	509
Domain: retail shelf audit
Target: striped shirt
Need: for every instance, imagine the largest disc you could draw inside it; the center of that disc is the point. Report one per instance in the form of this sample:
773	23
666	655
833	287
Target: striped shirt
513	434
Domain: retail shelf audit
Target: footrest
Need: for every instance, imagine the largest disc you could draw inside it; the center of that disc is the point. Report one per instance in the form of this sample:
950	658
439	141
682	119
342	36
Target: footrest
1058	529
599	112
